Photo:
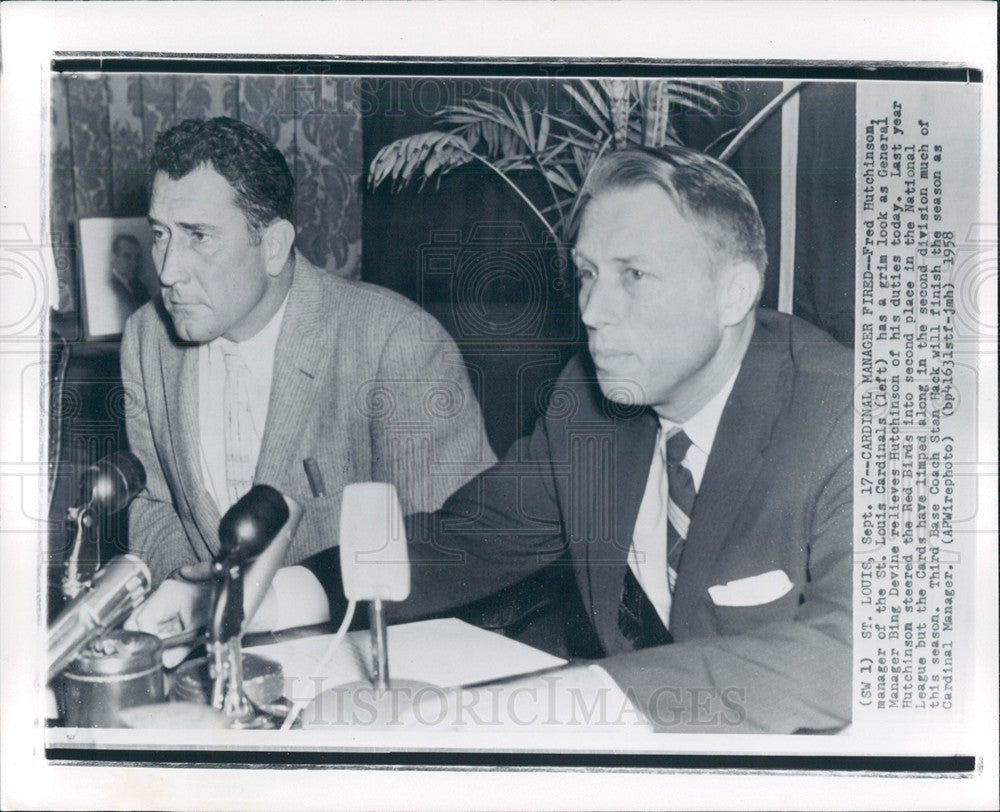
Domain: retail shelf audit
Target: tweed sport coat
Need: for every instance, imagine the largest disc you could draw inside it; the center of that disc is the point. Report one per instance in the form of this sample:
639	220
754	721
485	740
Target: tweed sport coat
365	382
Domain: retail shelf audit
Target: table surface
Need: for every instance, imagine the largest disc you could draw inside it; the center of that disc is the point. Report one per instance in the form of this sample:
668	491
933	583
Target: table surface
447	676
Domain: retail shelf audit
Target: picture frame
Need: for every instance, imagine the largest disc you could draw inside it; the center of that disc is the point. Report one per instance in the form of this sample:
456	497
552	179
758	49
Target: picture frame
115	271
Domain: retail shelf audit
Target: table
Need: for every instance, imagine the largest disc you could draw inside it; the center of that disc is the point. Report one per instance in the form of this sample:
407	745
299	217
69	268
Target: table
447	676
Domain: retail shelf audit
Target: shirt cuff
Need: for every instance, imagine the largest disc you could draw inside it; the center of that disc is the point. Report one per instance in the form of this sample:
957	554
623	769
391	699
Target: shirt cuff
298	600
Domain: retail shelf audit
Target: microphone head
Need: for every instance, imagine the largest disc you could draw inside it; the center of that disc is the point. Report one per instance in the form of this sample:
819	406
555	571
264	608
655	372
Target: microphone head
111	483
250	525
114	593
374	562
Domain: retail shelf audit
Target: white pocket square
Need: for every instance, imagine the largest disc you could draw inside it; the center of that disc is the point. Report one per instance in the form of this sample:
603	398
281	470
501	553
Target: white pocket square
752	591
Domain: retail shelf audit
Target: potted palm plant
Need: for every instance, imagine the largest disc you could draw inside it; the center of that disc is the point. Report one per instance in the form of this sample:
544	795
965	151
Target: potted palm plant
557	136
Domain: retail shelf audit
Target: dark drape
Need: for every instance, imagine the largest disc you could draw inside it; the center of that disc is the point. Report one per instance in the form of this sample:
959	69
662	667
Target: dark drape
824	244
473	254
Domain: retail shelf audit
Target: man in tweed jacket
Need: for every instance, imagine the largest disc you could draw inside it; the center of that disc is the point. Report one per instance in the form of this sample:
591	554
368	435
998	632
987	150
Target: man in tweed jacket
363	381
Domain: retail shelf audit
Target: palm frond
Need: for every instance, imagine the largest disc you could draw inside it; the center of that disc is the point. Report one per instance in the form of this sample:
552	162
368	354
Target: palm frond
512	133
751	126
543	129
720	139
596	96
620	103
561	178
588	135
710	96
690	97
563	224
515	123
427	153
592	113
529	126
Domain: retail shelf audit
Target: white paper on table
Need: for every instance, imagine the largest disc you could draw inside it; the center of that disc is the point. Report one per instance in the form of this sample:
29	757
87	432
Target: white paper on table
446	652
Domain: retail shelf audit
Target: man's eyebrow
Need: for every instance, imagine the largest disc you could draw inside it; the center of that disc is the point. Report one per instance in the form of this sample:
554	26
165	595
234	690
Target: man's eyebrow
185	226
197	226
576	256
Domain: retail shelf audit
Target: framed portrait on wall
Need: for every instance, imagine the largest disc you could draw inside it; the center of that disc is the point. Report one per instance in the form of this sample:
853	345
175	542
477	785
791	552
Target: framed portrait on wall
116	273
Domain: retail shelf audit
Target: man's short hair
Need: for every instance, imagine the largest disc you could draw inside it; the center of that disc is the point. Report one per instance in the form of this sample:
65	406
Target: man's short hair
120	238
264	187
705	190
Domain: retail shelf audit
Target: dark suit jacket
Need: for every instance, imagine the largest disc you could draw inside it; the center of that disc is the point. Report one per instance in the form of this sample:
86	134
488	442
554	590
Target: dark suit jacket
776	495
365	382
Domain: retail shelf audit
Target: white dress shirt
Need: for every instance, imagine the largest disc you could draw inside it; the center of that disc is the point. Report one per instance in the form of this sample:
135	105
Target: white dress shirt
295	598
258	354
647	556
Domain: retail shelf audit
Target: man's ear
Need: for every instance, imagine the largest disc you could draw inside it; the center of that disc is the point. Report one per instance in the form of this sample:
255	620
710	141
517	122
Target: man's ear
277	241
739	292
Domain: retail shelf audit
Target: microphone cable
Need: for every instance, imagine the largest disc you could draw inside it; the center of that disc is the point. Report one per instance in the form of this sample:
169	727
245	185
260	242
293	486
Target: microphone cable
56	416
323	662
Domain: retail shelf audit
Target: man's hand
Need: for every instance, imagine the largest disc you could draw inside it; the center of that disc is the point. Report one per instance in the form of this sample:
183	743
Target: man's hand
178	605
181	603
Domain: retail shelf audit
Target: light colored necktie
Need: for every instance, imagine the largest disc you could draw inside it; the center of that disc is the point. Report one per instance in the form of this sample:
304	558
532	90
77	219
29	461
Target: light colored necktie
680	504
239	426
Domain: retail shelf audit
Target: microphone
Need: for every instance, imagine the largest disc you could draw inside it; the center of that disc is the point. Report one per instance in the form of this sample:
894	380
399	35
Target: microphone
261	524
112	482
114	592
106	487
374	562
261	571
251	523
374	567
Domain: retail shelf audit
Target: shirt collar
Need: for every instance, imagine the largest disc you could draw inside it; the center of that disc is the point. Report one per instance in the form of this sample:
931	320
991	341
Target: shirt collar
261	344
703	425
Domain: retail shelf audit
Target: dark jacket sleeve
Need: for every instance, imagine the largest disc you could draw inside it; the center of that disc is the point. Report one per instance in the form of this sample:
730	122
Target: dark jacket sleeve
498	529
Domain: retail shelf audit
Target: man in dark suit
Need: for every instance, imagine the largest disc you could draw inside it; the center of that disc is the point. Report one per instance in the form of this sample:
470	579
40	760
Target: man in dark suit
696	467
265	361
134	282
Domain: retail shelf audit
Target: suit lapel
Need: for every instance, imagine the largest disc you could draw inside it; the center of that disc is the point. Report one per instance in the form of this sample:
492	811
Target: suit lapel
299	359
635	442
733	466
179	367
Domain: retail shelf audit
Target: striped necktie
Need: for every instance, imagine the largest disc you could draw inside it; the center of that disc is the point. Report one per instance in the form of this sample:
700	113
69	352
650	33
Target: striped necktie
637	618
680	486
239	426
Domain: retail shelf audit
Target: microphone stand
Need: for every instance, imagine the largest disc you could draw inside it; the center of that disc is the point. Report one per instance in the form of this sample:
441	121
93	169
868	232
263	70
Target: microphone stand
79	519
107	486
375	568
225	633
255	534
380	649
